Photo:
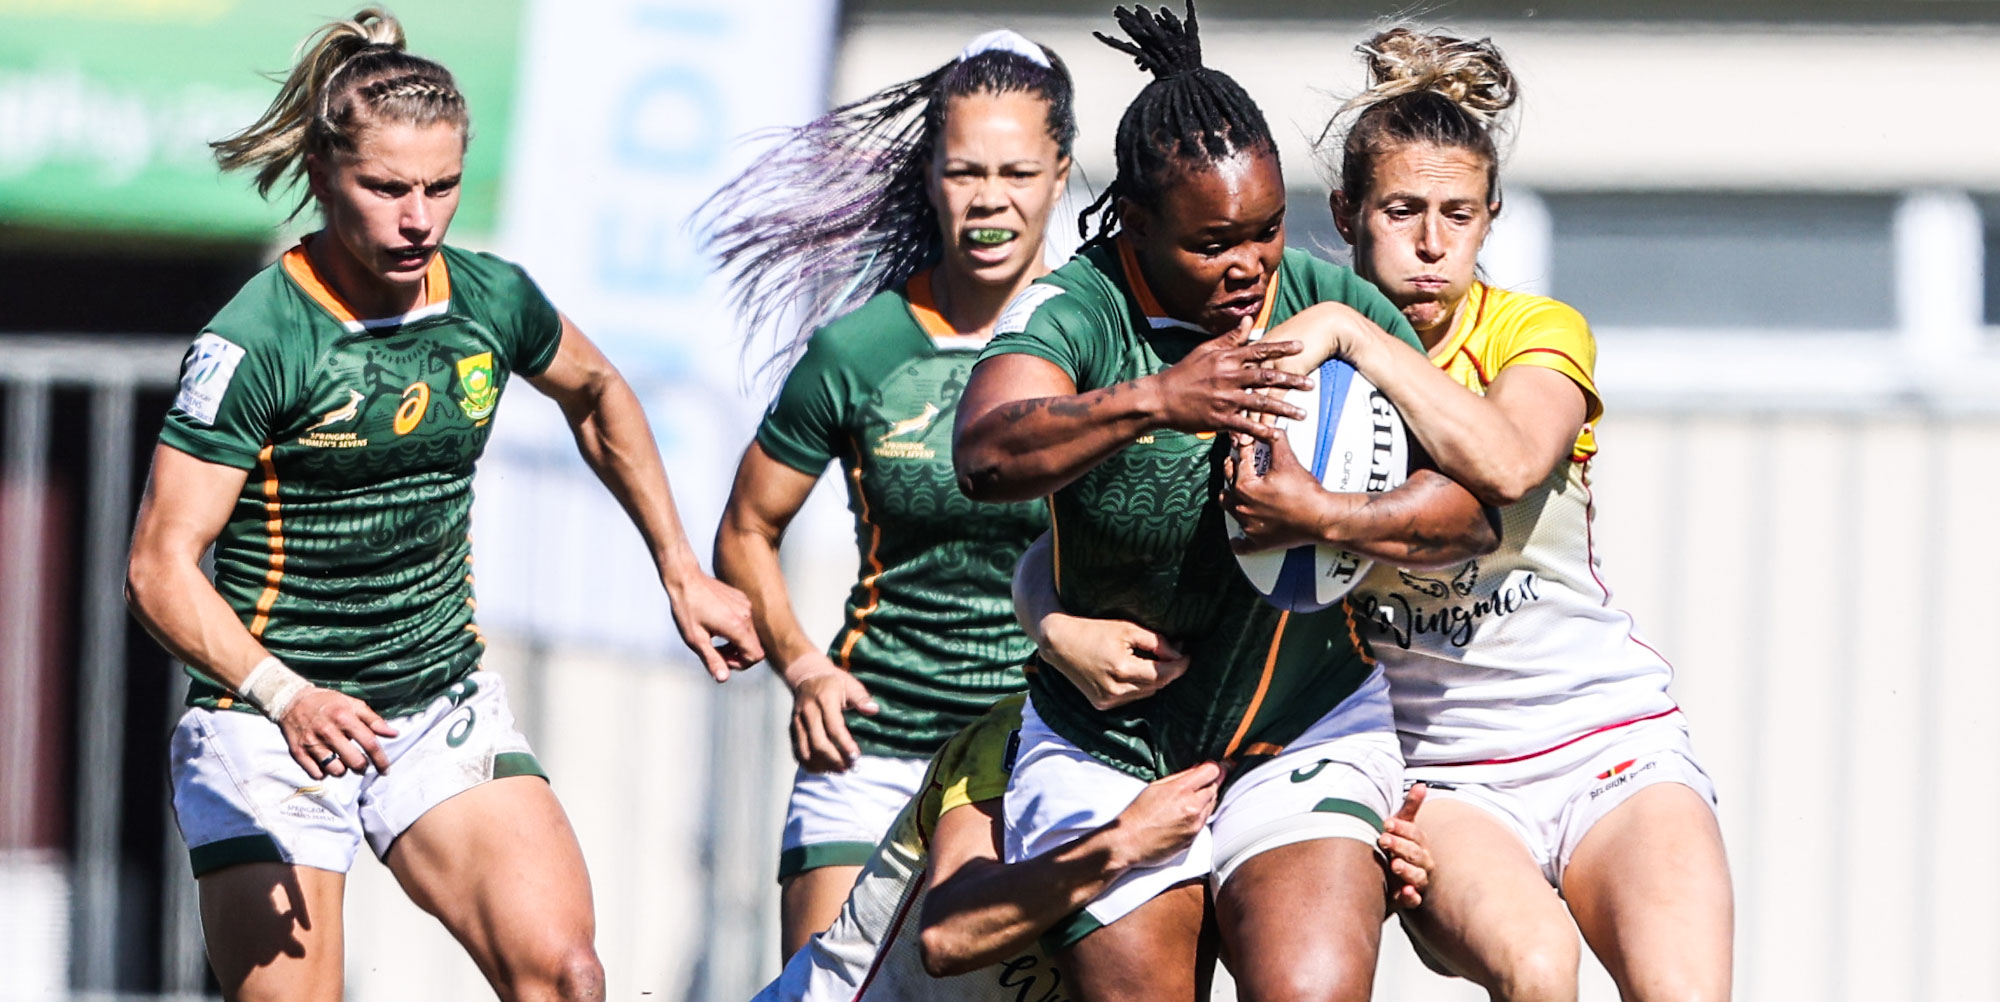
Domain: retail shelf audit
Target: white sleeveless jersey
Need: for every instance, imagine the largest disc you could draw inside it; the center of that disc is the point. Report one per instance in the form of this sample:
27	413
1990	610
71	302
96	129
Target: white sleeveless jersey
1520	651
871	952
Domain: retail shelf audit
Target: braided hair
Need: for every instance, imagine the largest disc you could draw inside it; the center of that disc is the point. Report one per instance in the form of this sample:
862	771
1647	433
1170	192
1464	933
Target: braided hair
1189	117
346	76
838	209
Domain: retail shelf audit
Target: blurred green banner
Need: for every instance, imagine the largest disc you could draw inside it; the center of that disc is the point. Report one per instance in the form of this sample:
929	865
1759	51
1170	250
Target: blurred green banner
107	106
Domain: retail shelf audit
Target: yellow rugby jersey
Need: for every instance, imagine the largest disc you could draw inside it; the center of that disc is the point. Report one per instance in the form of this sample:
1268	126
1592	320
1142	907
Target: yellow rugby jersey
1520	651
1498	328
871	952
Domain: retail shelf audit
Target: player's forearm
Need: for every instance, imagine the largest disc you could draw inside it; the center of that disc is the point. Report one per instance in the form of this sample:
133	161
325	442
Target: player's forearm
616	442
178	605
1428	522
1469	437
988	911
746	557
1035	598
1026	449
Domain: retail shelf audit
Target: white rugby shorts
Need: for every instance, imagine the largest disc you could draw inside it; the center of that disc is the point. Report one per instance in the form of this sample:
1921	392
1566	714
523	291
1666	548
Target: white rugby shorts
1551	800
835	818
1339	779
240	798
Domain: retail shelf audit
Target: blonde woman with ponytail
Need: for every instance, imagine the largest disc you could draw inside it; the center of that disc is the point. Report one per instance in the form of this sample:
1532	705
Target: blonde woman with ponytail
1553	753
323	441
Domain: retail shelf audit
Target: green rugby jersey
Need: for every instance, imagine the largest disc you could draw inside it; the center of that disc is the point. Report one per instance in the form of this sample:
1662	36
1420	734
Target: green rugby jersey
930	625
1141	537
347	553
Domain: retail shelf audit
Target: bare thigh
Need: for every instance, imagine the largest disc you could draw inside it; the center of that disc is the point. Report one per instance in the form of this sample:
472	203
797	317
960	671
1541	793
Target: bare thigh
1152	955
1649	885
274	931
1490	914
809	901
1304	922
501	868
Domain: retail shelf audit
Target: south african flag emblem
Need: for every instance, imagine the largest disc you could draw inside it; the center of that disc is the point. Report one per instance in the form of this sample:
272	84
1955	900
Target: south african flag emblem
478	391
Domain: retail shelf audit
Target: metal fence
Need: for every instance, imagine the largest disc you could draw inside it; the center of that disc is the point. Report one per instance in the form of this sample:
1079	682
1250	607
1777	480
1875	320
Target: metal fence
1822	579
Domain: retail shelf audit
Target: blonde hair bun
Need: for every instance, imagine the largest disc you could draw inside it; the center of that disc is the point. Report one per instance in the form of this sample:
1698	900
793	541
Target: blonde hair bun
1471	74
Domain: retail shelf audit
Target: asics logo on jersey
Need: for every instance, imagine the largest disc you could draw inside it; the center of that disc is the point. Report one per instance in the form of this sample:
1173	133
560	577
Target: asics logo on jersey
348	412
914	425
1302	774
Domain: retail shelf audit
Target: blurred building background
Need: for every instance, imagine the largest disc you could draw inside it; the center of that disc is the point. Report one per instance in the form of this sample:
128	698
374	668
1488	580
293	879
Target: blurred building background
1778	216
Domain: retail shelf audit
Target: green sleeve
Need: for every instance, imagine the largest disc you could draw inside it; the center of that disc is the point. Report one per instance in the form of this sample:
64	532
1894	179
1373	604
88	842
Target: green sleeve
512	305
537	326
806	425
1051	323
232	397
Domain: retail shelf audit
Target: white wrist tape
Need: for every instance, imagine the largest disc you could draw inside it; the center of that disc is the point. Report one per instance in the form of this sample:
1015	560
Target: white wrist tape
272	687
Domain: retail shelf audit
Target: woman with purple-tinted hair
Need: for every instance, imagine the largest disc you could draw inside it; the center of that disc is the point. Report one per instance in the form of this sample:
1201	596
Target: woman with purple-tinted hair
890	234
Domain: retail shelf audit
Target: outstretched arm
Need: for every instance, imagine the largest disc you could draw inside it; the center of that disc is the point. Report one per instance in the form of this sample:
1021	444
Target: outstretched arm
1500	445
979	910
1024	431
615	440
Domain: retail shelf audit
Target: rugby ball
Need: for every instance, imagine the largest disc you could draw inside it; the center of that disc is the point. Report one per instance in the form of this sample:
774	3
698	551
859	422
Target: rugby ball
1352	440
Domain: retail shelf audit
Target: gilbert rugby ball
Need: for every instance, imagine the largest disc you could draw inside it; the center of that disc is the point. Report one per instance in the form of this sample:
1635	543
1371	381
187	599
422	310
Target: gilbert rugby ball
1352	440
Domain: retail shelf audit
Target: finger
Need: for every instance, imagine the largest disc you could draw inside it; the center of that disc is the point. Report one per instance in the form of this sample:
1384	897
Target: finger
1255	403
1404	850
1151	644
801	746
822	755
370	748
1168	669
1413	799
1239	424
302	754
703	645
374	721
1202	775
1264	351
838	738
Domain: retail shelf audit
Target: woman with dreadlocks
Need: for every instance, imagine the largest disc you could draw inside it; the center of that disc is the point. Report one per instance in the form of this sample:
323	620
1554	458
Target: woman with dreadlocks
1104	389
925	203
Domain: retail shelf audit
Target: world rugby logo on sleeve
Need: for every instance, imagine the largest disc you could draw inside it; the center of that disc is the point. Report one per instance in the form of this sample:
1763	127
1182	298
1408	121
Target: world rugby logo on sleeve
211	364
1014	319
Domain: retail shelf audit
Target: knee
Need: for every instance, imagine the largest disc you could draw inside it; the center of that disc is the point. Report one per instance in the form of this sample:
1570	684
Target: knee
580	976
1543	972
572	974
1326	981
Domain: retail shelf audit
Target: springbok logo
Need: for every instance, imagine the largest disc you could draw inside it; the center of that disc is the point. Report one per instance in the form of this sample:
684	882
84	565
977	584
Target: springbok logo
481	391
913	425
339	414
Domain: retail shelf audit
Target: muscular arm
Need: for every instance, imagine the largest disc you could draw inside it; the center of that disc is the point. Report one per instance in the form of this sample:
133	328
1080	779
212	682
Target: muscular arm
187	502
615	440
1500	446
765	498
979	911
1429	521
1024	431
